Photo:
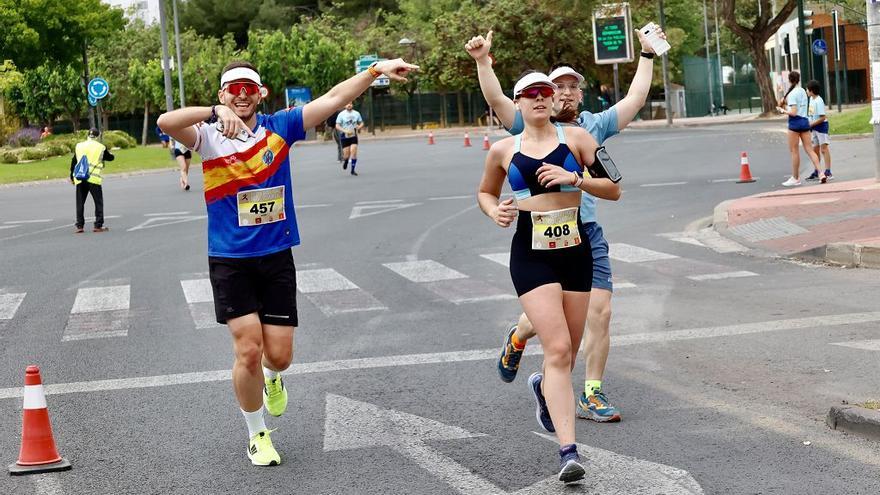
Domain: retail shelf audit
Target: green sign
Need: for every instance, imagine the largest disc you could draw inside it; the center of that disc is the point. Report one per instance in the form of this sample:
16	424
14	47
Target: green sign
612	36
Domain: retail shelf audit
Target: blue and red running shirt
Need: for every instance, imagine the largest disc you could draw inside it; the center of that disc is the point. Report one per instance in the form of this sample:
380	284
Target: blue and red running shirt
248	187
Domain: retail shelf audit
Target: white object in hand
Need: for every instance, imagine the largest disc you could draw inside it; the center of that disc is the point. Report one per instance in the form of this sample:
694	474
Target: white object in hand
659	44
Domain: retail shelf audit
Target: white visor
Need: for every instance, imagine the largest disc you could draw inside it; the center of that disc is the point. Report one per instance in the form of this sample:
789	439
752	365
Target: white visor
532	79
565	71
240	73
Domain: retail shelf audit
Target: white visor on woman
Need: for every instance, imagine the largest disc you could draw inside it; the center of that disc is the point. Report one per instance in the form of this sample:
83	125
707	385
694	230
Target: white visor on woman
240	73
532	79
565	71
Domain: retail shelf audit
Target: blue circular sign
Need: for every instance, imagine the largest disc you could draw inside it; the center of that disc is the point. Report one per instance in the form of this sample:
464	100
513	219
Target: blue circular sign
820	47
93	102
98	88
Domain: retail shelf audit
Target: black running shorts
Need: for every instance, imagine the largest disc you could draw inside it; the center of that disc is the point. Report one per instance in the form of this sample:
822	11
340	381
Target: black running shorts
186	154
265	285
346	142
570	267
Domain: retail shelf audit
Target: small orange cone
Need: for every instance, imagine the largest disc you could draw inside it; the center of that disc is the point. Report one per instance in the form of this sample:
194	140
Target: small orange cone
430	138
38	453
467	140
744	174
486	142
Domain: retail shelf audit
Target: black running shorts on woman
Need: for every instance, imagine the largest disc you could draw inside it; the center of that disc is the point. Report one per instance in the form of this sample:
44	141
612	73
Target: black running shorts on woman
571	267
265	285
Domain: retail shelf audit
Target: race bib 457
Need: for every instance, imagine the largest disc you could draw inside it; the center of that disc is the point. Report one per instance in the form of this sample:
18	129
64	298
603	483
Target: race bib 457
260	206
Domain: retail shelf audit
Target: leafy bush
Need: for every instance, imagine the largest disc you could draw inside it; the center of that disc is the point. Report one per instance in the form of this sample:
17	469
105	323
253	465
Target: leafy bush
29	136
35	153
119	139
56	148
8	157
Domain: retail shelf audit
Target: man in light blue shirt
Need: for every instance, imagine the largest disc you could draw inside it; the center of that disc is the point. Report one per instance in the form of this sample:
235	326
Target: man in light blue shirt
348	123
592	404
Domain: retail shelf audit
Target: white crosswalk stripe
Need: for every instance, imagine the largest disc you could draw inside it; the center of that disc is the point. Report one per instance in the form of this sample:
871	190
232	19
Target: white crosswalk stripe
447	283
99	312
200	299
707	238
500	258
722	276
9	304
628	253
865	345
333	293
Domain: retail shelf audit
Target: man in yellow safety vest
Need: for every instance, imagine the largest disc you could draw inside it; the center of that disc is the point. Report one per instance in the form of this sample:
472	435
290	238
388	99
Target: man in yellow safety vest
86	169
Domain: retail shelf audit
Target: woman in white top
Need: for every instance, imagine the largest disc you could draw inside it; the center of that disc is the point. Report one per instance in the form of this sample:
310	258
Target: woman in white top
796	104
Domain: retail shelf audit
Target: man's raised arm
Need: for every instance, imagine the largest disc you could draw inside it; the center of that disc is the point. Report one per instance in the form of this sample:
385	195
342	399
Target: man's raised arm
316	112
478	48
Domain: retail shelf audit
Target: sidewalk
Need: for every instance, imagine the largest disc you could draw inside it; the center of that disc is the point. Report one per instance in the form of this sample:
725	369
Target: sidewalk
837	222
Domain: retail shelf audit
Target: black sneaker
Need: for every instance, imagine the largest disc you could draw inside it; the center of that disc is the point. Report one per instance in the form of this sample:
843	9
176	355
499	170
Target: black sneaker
345	165
542	414
508	362
570	467
353	172
813	176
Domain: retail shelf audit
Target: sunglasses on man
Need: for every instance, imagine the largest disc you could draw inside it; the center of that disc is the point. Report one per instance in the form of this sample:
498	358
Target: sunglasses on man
533	92
250	89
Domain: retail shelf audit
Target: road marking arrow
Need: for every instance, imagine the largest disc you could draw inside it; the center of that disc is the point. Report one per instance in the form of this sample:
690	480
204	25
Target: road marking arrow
351	424
359	211
163	221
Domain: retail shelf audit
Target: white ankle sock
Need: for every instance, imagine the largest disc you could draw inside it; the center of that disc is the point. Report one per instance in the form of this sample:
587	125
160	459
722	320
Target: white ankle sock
255	421
270	374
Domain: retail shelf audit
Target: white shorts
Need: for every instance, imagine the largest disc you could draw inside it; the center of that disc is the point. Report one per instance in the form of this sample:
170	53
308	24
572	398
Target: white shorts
819	138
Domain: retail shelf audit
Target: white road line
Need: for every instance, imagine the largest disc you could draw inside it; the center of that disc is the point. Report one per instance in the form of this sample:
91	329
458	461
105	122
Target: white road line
500	258
166	214
2	227
322	280
197	291
9	304
663	184
715	181
16	222
423	271
624	285
93	299
451	357
865	345
323	205
47	484
442	198
383	201
628	253
722	276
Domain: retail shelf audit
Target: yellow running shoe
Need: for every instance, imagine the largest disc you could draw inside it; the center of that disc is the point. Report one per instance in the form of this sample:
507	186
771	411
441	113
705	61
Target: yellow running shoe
261	452
275	396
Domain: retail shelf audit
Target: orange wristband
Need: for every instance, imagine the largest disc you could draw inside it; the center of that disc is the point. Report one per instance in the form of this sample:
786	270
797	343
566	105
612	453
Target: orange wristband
373	72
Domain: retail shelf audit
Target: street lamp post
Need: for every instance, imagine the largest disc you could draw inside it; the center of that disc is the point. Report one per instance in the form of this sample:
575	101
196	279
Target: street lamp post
733	62
412	44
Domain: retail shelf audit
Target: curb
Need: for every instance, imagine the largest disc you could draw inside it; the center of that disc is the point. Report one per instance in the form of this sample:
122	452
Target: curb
132	173
853	419
853	254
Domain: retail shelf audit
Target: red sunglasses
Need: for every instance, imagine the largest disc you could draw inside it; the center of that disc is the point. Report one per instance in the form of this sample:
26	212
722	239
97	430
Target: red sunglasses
533	92
236	87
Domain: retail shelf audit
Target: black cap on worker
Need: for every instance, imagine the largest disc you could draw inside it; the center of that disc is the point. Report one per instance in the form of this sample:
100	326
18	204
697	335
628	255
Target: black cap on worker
93	132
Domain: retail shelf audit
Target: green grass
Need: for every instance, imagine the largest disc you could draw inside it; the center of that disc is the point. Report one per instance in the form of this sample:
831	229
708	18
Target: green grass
138	158
851	121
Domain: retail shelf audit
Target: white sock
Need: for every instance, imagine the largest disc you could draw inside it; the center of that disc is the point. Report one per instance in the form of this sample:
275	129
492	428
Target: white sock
270	374
255	421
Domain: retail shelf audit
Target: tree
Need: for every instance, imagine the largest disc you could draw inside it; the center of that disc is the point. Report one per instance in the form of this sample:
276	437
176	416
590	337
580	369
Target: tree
755	27
218	17
31	98
36	31
67	93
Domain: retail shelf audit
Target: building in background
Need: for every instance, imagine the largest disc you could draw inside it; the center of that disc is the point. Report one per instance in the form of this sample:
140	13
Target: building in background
854	73
145	10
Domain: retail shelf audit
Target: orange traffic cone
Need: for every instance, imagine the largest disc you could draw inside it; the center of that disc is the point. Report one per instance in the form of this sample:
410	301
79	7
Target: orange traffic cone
744	174
467	140
38	452
430	138
486	142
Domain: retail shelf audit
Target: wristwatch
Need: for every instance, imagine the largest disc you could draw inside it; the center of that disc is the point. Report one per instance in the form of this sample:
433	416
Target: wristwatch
647	55
372	70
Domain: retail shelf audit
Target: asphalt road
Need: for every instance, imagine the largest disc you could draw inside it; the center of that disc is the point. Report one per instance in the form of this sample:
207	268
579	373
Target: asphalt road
723	363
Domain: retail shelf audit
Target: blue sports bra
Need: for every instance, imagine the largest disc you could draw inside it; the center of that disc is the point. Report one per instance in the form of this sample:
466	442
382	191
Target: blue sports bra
522	172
